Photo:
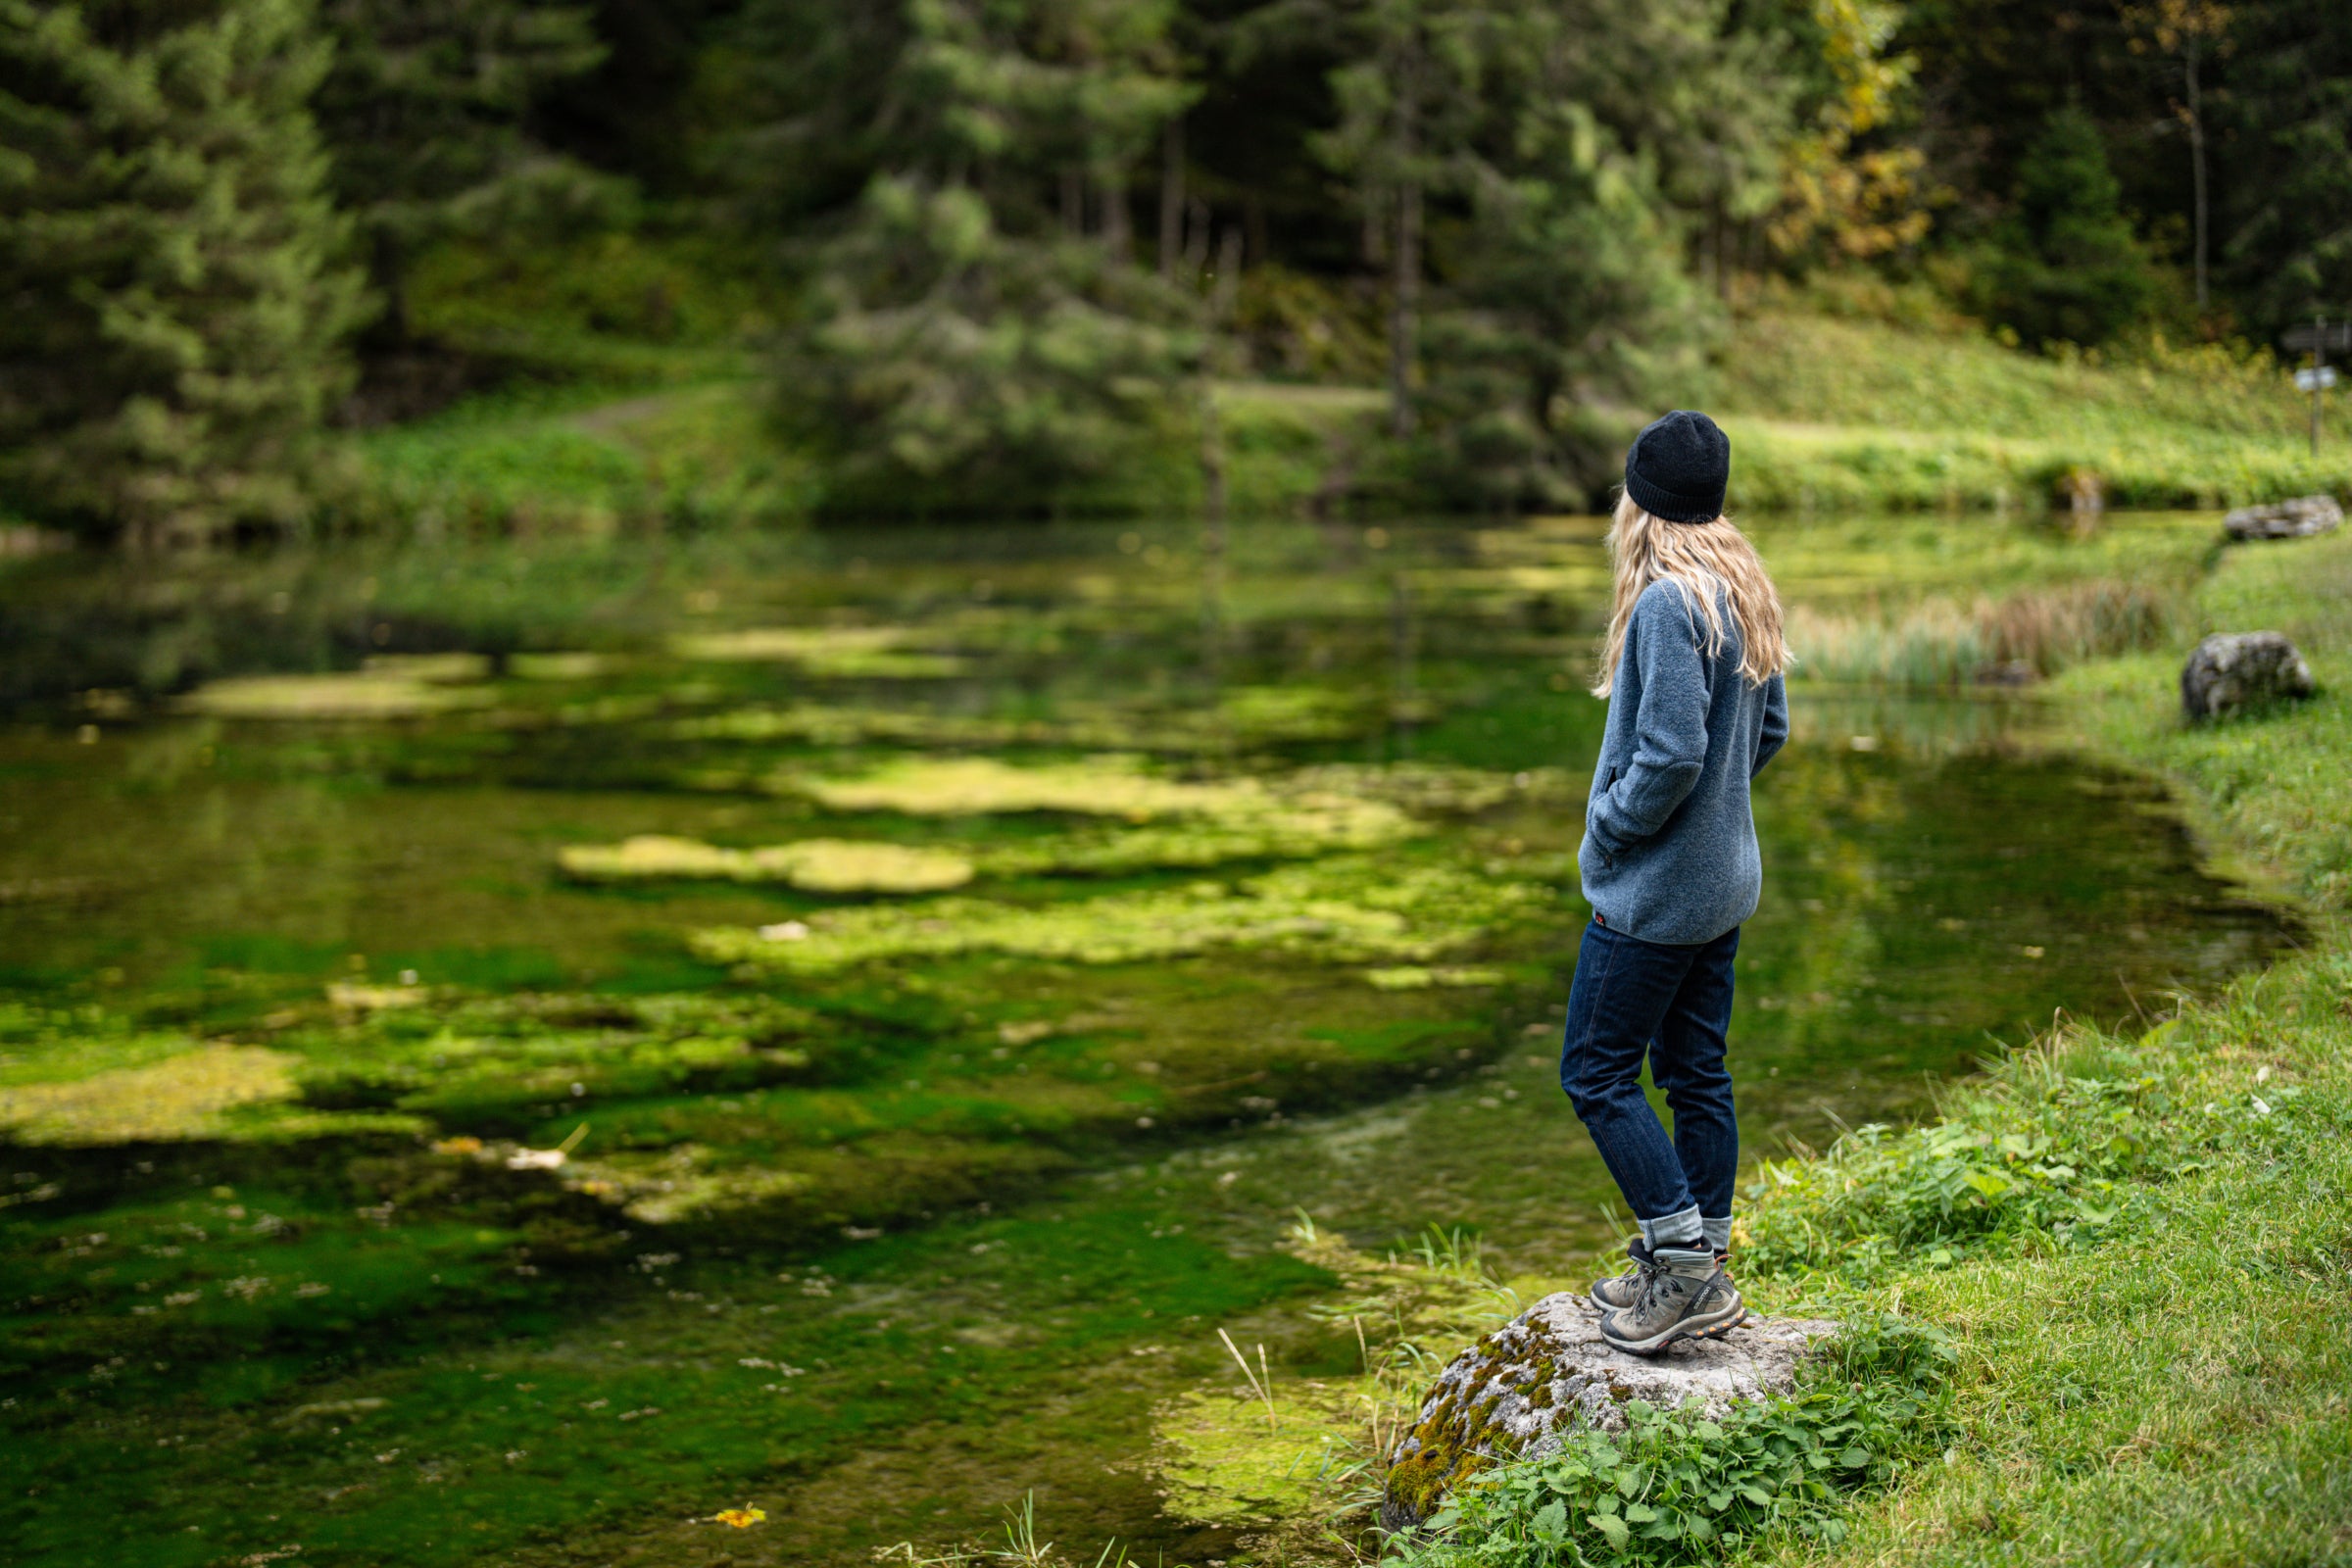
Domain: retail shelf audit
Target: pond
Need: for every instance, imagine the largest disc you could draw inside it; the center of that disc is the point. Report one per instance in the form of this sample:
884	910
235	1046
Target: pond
508	1049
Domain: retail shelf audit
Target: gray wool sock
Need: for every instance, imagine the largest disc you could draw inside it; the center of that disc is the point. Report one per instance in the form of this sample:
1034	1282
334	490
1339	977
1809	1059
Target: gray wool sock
1683	1228
1718	1232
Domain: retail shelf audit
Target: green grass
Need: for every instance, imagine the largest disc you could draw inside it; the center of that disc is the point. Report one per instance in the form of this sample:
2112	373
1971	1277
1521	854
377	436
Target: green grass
2139	1249
590	457
1919	601
2172	1390
610	451
1837	413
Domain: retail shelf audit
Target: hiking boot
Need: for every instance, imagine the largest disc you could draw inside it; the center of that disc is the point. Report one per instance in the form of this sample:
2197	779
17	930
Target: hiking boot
1621	1290
1689	1297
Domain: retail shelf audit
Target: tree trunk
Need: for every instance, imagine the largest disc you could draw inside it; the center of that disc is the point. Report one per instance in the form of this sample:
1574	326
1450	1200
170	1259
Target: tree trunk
1195	243
2196	156
1212	442
1073	202
1228	277
1405	304
389	269
1172	197
1726	268
1118	236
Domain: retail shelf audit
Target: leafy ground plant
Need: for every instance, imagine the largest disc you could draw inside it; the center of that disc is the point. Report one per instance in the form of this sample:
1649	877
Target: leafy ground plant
2052	1148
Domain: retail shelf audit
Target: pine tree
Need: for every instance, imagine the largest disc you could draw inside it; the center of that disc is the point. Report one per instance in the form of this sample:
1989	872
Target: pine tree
174	311
1537	191
2286	146
977	335
1588	197
426	111
1410	95
2070	268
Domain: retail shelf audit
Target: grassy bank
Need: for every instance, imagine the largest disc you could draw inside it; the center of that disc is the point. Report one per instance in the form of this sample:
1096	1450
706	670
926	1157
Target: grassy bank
1838	412
1882	411
2135	1240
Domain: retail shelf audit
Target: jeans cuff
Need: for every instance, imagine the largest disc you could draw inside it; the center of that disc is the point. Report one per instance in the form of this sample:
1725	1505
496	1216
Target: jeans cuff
1718	1232
1682	1228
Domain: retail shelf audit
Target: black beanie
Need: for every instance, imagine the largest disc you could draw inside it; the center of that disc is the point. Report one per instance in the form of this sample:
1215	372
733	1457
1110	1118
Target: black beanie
1677	468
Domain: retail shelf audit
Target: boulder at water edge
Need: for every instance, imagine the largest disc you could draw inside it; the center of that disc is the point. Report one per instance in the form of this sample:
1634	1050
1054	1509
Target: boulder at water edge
2231	671
2284	519
1548	1371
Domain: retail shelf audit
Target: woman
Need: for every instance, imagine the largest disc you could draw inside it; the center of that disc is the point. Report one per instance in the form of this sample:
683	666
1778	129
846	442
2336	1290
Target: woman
1692	673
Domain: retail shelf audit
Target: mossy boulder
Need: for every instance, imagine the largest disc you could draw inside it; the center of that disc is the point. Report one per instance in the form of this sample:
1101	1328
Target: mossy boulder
1548	1371
2298	519
2231	672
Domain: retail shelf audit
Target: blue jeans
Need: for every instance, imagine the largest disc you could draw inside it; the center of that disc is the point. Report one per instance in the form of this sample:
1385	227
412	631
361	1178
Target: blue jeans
1632	999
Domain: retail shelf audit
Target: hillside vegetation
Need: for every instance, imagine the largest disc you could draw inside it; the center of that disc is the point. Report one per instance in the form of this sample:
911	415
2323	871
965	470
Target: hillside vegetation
1837	412
1826	411
986	257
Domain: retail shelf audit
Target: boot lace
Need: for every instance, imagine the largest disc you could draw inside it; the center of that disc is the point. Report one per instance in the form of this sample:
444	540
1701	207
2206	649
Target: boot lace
1653	1292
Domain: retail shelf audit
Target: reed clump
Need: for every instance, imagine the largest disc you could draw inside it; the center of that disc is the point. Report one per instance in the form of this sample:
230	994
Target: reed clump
2009	640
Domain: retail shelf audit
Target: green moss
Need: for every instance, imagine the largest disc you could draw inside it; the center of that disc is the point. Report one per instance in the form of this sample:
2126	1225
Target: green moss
856	653
1241	717
361	695
1111	786
1220	1458
769	1122
188	1094
817	865
1337	910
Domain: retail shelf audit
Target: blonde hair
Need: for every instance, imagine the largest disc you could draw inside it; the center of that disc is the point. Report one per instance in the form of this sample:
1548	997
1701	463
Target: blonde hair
1711	562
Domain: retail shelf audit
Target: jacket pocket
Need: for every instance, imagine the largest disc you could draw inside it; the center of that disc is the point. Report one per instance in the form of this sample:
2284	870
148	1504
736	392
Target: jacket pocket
1608	857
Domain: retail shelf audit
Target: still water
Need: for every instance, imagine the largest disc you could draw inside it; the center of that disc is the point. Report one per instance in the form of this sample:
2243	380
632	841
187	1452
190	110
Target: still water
507	1050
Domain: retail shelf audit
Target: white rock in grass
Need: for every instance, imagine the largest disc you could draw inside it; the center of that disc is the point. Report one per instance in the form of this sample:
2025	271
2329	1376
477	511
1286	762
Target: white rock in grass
1548	1371
2286	520
2231	671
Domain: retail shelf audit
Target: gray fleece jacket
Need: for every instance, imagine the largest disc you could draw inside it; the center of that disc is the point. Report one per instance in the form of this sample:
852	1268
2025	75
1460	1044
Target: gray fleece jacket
1670	844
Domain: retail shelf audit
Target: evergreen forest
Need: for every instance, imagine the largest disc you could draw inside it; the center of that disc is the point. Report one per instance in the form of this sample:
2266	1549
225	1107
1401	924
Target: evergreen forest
965	258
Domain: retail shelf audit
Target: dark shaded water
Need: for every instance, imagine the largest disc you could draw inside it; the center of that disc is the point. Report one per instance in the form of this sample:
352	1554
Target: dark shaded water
296	1005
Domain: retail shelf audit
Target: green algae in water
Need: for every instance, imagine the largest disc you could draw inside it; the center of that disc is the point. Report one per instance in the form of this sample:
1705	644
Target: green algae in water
1113	786
361	696
1339	910
817	865
1243	716
1285	816
869	653
187	1094
765	1244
